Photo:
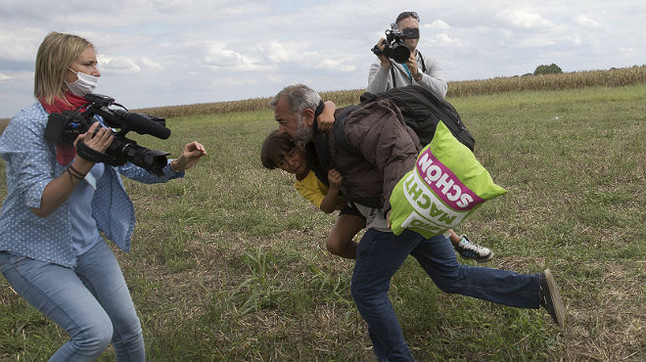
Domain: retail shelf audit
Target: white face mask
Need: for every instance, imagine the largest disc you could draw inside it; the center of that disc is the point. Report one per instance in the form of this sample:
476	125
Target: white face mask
83	85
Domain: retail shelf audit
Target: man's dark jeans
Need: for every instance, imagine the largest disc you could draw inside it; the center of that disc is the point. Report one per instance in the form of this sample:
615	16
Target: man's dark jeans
380	254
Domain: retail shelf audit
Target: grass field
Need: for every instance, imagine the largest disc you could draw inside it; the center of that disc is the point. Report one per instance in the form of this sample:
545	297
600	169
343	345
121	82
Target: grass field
230	263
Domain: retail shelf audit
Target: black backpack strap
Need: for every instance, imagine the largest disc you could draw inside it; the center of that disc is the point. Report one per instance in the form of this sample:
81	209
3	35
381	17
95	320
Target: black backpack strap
367	97
423	62
392	75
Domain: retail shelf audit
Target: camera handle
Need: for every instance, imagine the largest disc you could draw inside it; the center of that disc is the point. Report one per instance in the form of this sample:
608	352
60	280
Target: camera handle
91	155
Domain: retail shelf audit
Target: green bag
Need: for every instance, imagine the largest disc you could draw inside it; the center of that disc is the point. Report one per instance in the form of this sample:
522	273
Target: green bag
445	186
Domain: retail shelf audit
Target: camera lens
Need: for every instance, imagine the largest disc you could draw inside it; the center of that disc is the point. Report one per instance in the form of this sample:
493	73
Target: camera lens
400	53
124	149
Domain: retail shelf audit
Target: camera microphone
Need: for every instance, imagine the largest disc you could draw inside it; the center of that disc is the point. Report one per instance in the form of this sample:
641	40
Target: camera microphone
143	124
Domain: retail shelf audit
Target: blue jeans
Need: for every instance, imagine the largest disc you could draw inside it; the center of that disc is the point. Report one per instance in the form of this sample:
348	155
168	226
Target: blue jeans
380	254
90	302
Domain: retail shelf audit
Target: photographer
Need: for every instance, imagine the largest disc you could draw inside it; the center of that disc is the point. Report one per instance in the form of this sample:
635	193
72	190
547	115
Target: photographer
58	205
419	70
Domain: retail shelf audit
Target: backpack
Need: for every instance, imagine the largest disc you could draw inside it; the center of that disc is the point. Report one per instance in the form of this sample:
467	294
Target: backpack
422	110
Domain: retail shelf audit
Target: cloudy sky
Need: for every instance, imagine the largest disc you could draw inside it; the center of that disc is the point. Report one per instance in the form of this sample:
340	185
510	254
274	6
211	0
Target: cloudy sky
170	52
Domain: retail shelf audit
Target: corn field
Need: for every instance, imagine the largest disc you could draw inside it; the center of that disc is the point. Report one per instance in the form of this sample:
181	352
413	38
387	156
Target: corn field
602	78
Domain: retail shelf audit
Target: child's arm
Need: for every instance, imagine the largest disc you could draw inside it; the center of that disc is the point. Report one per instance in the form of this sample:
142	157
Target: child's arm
326	118
331	200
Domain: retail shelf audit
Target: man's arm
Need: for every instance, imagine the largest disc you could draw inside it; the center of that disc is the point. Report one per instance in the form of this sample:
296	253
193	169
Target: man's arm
378	78
326	118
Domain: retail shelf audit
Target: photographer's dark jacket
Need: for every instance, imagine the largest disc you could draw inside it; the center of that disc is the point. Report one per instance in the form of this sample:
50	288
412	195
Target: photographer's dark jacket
30	165
386	150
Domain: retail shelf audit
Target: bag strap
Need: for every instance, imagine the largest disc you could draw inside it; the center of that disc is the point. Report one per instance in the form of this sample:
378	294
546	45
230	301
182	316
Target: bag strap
392	75
423	62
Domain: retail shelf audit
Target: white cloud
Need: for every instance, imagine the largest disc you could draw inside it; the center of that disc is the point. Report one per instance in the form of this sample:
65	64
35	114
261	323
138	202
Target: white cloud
525	19
282	52
233	81
536	41
444	39
627	51
21	76
275	78
150	64
215	55
437	25
584	20
340	64
16	48
222	57
119	65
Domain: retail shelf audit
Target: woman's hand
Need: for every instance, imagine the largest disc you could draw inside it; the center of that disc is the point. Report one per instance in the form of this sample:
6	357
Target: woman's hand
191	153
97	138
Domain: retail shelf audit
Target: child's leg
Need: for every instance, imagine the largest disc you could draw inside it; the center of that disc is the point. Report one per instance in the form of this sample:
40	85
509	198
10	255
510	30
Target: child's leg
455	239
340	242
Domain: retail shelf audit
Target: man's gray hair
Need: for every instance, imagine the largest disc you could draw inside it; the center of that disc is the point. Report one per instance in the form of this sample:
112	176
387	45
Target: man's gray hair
299	98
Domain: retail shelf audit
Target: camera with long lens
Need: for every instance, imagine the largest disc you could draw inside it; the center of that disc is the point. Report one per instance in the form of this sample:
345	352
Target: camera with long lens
64	127
395	46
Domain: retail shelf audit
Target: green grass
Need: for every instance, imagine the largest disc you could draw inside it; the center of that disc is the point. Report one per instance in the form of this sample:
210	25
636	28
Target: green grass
230	263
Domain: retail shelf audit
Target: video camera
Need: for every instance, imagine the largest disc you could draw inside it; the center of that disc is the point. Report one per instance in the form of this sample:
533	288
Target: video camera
395	46
64	127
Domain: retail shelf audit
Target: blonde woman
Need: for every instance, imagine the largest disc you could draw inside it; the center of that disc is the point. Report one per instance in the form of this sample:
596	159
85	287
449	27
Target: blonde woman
59	204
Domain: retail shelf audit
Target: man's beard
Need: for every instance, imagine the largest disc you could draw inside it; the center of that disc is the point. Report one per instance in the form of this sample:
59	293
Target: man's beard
304	133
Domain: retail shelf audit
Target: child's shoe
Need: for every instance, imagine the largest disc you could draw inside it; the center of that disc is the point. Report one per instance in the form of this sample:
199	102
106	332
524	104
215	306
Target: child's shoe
470	250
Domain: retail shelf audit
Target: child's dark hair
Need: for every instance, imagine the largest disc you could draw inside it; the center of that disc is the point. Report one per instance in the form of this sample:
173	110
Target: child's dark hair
273	147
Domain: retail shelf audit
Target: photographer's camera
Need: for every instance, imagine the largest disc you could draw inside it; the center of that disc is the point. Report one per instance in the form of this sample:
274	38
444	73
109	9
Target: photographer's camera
65	127
395	46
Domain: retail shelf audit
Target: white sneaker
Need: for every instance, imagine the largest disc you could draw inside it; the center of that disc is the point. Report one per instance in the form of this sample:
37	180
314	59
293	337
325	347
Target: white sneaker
470	250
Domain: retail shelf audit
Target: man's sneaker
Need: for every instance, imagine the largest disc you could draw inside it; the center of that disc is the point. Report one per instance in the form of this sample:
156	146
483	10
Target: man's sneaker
470	250
550	298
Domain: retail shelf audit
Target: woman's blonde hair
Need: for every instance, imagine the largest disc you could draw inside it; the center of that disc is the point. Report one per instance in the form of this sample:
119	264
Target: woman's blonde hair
56	53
